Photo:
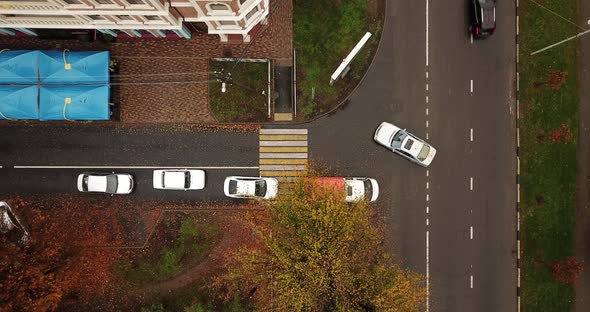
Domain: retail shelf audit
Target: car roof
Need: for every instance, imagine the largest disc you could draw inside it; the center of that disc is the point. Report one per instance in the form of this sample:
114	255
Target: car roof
245	187
334	182
416	146
174	179
97	183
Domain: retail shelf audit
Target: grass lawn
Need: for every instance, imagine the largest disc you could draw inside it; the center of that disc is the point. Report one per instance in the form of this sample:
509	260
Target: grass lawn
548	160
181	245
324	32
244	100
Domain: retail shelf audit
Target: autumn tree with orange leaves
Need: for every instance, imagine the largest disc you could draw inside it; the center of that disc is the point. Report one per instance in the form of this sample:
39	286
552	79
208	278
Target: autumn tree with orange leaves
34	278
319	253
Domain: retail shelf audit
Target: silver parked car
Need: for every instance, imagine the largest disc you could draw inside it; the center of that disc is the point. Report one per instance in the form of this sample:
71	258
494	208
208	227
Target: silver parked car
110	183
182	180
250	187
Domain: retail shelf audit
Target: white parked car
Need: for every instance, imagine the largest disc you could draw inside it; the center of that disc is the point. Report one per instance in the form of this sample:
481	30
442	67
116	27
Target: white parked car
181	180
356	189
404	143
251	187
111	183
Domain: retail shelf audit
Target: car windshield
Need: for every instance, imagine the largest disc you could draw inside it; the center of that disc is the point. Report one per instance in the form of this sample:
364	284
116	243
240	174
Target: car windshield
85	183
233	187
368	189
260	189
187	179
111	183
424	152
398	138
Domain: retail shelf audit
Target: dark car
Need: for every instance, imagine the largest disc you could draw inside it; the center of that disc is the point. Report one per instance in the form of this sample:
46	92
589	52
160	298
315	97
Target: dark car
483	18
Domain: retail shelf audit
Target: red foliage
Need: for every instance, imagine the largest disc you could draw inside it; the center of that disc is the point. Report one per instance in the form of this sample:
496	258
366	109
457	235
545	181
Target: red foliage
555	79
37	277
55	263
61	269
566	271
561	134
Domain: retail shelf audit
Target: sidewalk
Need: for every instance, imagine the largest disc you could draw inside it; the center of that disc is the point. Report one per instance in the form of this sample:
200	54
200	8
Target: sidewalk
582	242
140	59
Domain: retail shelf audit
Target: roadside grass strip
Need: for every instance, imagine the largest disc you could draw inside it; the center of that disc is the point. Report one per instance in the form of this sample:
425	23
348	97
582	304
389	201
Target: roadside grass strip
283	154
548	126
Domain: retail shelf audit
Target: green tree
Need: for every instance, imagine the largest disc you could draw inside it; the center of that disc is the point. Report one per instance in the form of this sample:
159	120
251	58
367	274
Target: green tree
319	253
157	307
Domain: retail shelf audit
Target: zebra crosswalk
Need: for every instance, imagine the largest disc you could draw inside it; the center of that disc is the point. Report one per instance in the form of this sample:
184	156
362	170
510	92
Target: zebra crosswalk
283	153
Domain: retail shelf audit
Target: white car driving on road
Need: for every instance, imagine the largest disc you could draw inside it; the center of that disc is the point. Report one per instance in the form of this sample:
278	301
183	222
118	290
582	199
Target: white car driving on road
250	187
404	143
110	183
181	180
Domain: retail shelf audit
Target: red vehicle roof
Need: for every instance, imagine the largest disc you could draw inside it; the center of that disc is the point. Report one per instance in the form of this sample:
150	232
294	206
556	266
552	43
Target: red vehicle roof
329	182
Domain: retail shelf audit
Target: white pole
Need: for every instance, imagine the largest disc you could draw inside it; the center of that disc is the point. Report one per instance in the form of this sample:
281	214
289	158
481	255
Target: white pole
562	41
349	58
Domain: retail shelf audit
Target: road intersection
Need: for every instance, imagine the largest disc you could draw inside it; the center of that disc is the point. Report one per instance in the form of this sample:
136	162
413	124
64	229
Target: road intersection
454	221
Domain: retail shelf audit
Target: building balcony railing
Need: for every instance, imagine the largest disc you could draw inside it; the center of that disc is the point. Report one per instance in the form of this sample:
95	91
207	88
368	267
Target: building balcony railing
29	6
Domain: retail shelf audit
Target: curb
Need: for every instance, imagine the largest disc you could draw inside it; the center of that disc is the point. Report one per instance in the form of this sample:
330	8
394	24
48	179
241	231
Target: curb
518	236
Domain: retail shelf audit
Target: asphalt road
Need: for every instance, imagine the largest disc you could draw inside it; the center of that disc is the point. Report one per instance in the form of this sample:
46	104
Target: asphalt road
463	103
429	212
48	158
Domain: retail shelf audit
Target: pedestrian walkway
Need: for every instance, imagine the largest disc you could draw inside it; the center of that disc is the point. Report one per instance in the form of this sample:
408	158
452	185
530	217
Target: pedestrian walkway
283	153
283	88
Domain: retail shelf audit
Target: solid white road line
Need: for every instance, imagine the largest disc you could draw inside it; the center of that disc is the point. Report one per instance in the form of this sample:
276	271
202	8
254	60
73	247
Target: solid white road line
283	131
427	26
137	167
471	183
427	270
471	86
471	134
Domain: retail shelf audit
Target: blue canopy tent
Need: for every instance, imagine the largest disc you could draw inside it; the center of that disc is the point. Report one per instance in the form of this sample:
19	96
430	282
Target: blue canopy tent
66	67
19	102
74	102
19	67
